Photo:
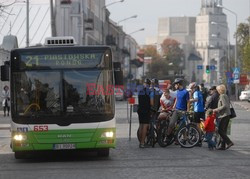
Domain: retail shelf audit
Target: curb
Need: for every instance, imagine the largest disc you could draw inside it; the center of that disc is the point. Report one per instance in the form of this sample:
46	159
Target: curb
242	106
4	127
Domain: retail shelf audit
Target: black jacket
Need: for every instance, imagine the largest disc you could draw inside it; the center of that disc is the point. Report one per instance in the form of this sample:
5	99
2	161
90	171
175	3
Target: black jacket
212	102
144	101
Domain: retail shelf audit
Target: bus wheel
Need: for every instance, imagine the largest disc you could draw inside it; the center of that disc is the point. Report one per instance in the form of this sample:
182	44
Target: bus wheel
20	155
103	152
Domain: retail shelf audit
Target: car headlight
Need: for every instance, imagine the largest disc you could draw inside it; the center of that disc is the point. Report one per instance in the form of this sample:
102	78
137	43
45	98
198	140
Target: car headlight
109	134
19	137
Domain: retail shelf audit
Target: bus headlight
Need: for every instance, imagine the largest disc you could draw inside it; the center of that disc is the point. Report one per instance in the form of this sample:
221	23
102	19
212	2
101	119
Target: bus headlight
19	137
109	134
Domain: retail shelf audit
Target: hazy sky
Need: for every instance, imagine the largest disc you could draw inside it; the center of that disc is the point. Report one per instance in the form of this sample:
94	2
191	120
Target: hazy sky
149	11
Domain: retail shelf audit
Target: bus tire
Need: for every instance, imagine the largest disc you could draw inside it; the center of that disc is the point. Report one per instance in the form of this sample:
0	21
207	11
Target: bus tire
103	153
20	155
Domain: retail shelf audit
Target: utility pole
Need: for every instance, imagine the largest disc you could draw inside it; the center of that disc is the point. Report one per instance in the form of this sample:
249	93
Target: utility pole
27	23
52	19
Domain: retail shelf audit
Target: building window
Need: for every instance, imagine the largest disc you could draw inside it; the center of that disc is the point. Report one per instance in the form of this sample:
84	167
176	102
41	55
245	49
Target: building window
65	1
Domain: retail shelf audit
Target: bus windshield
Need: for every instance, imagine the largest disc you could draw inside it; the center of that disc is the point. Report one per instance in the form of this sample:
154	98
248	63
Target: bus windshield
62	95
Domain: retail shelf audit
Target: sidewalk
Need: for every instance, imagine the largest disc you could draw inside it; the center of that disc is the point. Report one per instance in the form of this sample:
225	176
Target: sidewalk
4	121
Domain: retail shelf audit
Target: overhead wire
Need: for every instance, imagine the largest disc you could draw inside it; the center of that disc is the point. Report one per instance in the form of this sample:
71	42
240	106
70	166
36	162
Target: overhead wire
22	23
45	32
31	23
40	24
6	20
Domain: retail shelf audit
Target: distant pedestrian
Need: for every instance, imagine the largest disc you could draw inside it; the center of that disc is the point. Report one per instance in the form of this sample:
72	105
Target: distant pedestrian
6	100
223	112
209	127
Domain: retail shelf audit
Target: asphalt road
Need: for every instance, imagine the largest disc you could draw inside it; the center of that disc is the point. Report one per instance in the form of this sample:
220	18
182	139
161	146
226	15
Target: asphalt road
129	161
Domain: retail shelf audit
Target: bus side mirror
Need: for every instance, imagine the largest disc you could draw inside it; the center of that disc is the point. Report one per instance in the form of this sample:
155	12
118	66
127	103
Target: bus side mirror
118	74
5	72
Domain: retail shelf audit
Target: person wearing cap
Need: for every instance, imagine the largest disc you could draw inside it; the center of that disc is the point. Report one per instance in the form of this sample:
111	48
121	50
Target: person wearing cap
212	101
143	111
181	104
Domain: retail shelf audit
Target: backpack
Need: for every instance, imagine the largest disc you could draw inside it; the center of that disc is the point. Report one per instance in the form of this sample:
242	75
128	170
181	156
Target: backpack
157	97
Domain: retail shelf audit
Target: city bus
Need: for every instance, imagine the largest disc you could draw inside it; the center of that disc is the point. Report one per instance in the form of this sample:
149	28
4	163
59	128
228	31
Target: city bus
61	98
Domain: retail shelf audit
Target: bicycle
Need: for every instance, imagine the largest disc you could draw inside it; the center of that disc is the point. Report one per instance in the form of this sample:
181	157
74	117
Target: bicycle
162	131
185	133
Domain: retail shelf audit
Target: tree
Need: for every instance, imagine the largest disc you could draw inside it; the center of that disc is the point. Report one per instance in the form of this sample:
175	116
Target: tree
243	41
151	51
172	52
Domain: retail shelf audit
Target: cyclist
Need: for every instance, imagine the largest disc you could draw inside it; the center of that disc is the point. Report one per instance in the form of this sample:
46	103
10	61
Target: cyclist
144	111
166	102
155	95
181	104
197	100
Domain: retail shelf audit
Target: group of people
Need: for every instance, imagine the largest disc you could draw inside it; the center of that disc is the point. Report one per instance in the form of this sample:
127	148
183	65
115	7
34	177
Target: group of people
212	106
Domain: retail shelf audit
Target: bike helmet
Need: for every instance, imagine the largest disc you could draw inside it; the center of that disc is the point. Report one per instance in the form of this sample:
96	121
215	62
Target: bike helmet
147	81
192	85
178	81
155	81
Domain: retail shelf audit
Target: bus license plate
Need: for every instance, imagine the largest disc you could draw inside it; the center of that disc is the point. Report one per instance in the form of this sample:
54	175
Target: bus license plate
64	146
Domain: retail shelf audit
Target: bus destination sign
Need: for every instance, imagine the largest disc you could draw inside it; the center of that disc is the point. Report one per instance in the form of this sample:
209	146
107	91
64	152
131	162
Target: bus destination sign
62	60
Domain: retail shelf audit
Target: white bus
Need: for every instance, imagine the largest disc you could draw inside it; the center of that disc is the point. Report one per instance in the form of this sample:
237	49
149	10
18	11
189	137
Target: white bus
62	97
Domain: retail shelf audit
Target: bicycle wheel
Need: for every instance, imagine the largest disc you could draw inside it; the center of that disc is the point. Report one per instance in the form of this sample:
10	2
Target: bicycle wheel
162	138
151	138
162	134
188	136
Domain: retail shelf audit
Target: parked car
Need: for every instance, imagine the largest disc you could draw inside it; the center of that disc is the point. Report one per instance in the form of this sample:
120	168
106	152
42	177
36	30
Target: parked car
245	95
119	94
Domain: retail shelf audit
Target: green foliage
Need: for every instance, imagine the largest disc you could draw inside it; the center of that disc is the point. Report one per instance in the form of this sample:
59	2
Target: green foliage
246	58
243	40
172	51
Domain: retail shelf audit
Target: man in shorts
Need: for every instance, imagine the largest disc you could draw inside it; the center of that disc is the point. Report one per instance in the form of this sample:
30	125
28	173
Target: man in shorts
144	111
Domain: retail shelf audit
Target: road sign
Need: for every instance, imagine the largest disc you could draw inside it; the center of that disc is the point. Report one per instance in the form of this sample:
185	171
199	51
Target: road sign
199	67
212	67
236	75
243	79
237	70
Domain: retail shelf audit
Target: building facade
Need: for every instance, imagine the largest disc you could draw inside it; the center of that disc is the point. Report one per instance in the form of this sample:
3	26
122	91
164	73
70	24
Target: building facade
212	42
181	29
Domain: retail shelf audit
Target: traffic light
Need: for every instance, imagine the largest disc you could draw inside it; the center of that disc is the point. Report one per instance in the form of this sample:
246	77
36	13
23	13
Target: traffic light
207	69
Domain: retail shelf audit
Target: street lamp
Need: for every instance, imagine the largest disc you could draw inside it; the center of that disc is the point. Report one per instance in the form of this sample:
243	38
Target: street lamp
104	8
27	23
113	3
236	47
142	29
134	16
228	40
